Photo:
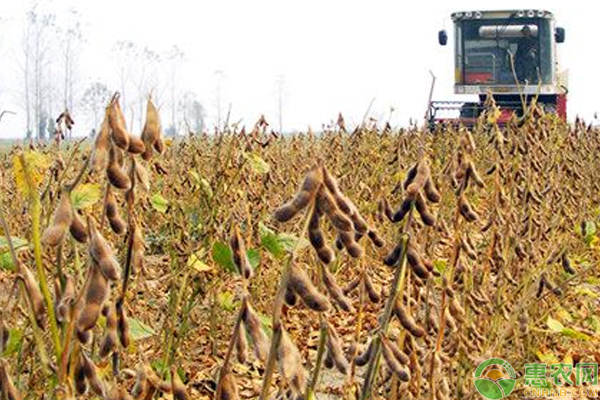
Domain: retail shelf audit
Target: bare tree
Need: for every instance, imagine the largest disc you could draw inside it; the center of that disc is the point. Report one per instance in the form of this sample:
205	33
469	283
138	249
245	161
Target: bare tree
94	99
280	88
69	30
175	57
37	48
193	112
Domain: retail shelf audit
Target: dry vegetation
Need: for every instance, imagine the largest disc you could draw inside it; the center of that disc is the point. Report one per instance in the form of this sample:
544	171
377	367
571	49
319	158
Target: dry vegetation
246	265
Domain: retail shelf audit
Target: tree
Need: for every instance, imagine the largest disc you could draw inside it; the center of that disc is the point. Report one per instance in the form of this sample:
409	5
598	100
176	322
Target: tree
69	30
94	99
37	48
175	57
193	112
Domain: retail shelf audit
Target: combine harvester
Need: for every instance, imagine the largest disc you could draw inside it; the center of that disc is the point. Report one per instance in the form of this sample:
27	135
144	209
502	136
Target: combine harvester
510	54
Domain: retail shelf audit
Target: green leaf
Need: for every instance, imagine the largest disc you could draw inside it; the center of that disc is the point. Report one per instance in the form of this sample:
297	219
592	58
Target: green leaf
159	203
18	243
270	241
86	195
197	264
206	188
440	265
226	300
256	163
572	333
595	323
15	341
589	232
547	358
6	262
278	244
253	257
586	291
138	330
554	325
221	254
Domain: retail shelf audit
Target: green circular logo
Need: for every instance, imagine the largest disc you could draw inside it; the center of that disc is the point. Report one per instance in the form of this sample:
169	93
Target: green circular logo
495	379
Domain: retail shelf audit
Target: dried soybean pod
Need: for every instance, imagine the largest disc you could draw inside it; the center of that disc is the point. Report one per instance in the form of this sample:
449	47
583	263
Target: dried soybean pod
328	362
142	176
317	240
456	309
122	324
466	210
393	364
363	358
112	212
290	362
427	218
431	192
95	295
255	331
137	248
54	234
8	388
403	210
334	348
408	321
66	299
370	289
102	144
239	255
103	254
151	132
421	177
141	388
241	345
335	291
229	390
475	175
136	145
352	285
541	285
416	263
398	354
304	195
108	343
4	333
327	205
290	297
394	256
385	209
177	387
120	136
91	374
566	264
348	241
375	238
301	284
34	294
78	230
410	175
114	172
81	385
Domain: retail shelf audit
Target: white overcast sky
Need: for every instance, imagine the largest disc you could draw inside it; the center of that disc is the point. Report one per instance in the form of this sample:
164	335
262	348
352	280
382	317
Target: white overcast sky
336	56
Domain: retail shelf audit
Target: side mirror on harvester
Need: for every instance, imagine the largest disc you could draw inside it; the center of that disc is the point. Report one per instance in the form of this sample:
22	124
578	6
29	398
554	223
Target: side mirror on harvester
559	35
442	37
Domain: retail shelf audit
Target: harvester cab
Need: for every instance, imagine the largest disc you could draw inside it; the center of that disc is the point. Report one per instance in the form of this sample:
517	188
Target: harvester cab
510	54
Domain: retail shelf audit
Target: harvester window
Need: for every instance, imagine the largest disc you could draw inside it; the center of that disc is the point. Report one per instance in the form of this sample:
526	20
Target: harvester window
488	46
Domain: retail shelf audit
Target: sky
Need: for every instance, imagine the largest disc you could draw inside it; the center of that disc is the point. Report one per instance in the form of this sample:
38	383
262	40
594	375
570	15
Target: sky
332	56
